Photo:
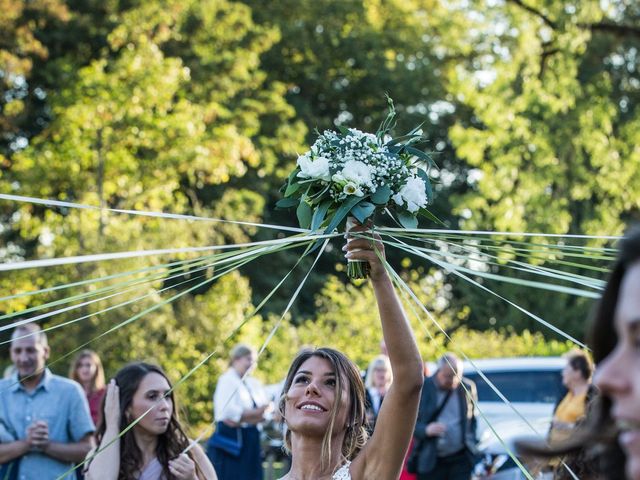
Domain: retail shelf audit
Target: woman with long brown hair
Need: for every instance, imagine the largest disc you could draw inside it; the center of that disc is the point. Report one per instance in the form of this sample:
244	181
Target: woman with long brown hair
153	448
86	369
324	397
608	442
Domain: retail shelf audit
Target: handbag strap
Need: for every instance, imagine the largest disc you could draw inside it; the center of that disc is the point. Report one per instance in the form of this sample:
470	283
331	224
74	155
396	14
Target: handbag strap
253	400
440	407
433	416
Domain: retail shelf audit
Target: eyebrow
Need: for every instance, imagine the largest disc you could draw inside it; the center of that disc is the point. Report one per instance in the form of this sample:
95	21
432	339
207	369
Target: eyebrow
163	392
306	372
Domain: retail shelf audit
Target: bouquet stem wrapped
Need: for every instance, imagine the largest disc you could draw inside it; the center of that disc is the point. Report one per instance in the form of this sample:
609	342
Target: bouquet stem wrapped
356	268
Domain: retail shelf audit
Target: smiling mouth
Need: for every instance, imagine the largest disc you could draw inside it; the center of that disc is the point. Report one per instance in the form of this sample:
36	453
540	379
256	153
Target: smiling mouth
312	408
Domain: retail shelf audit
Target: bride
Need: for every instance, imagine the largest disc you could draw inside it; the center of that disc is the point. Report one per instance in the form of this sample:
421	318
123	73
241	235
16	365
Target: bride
324	397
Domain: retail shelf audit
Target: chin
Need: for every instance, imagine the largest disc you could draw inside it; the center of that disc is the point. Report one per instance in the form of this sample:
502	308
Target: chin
309	429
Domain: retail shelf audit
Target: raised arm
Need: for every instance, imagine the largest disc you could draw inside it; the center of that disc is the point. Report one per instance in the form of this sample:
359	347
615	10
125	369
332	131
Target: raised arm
383	455
106	464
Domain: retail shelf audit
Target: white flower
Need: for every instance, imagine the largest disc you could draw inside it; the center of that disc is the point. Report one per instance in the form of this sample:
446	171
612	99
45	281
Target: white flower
413	193
338	178
357	172
314	168
352	189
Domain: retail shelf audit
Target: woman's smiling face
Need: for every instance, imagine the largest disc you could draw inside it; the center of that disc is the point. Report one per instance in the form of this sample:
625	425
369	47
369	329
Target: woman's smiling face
311	398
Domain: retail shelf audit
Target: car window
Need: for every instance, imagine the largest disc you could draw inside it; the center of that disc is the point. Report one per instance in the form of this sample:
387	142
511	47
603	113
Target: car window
521	386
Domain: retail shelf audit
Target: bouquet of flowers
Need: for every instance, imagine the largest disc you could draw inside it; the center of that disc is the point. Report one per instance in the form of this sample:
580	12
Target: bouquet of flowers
352	173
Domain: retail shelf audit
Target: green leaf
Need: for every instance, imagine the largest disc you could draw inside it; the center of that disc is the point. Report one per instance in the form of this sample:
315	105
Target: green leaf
291	188
341	213
304	213
419	153
363	210
319	214
319	196
344	130
402	139
427	214
287	202
381	195
408	220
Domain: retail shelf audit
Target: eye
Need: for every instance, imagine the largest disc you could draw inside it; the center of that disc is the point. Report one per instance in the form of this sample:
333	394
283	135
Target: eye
331	382
302	379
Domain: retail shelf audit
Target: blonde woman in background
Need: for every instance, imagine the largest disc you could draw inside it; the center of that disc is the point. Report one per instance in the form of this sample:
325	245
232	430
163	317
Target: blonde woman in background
377	383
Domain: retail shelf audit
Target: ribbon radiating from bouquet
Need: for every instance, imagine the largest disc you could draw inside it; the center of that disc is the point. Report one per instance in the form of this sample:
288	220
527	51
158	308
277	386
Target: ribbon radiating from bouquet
355	174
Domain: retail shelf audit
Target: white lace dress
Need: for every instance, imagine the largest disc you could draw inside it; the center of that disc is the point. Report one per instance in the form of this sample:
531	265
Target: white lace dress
343	473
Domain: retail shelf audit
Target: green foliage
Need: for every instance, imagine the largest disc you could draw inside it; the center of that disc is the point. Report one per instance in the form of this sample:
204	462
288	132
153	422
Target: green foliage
201	107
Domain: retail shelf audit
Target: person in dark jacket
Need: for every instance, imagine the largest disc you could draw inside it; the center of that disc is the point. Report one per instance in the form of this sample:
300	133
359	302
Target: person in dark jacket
445	432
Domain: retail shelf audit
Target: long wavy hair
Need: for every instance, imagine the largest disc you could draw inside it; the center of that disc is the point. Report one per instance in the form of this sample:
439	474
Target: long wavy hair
594	443
171	443
347	374
97	382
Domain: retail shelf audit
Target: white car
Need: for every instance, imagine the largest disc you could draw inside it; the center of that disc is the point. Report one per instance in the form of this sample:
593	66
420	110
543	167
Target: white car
533	386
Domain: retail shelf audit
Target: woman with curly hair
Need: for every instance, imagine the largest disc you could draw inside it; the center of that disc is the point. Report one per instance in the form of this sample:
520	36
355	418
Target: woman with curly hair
324	397
153	448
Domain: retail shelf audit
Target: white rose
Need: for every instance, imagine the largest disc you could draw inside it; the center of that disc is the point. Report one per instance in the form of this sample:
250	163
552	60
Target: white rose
314	168
352	189
357	172
413	193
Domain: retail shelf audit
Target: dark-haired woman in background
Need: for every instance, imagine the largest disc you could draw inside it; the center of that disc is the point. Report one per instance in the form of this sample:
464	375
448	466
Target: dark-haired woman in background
616	344
609	440
153	448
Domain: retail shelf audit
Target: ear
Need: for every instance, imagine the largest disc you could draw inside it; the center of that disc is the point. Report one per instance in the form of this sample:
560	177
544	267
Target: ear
47	351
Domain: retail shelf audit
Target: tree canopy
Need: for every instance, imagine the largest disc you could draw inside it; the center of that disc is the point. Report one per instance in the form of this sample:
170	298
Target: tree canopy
201	107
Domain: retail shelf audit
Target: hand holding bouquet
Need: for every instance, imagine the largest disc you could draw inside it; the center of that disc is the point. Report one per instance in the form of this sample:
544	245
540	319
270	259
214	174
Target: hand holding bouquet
355	173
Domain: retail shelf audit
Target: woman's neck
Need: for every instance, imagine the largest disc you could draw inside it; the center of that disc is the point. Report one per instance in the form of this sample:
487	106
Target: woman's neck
240	372
306	462
578	388
147	443
381	389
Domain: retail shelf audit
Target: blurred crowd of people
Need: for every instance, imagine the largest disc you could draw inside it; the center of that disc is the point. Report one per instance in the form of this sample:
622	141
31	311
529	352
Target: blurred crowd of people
326	419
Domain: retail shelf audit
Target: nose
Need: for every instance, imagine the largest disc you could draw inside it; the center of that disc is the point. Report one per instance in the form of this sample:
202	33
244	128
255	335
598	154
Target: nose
312	389
164	403
609	377
23	357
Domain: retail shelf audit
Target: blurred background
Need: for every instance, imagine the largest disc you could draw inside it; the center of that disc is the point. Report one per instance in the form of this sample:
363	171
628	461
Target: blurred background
201	107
